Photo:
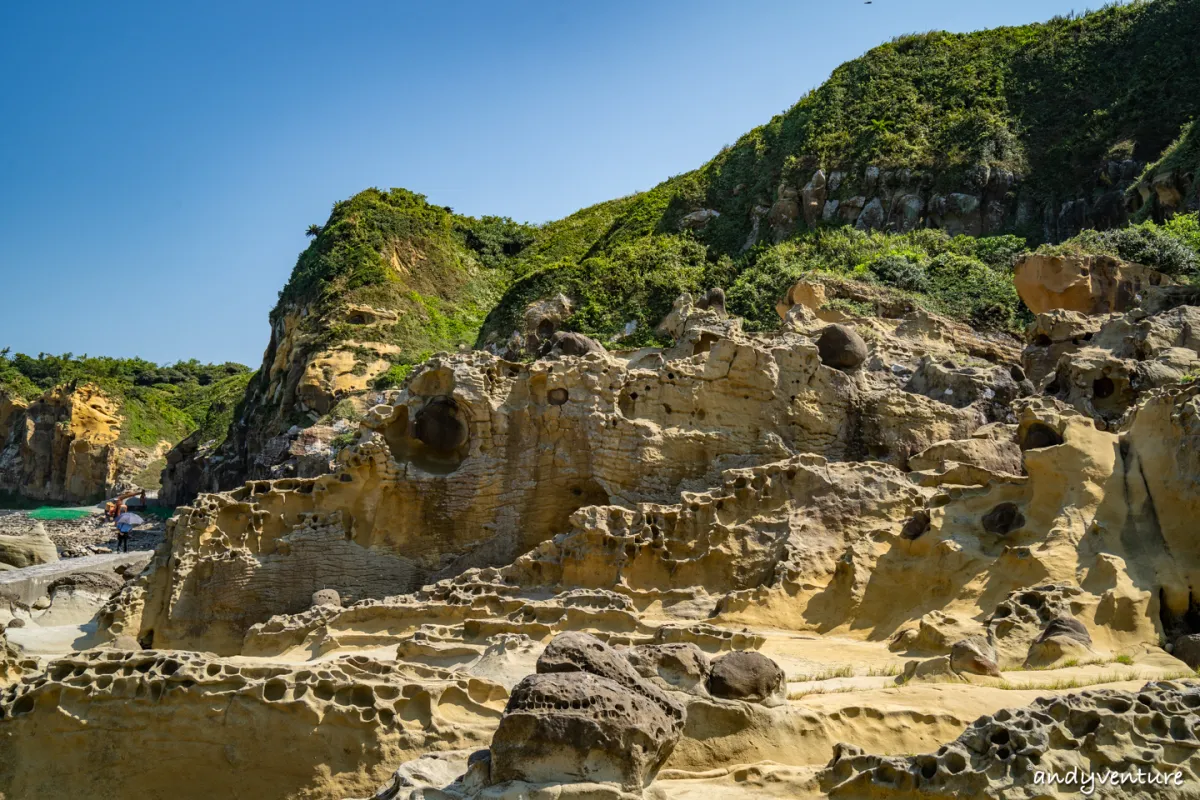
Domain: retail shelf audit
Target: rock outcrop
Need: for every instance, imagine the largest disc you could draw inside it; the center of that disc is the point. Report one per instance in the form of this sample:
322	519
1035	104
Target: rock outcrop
1083	283
64	446
585	717
27	550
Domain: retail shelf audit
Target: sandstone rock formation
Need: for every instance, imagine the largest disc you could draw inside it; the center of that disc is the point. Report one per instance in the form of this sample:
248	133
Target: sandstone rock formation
586	716
630	572
1078	734
64	446
1082	283
27	550
344	724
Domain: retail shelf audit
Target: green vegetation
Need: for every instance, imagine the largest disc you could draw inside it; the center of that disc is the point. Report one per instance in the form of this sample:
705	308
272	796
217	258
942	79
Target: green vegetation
156	402
1173	247
1180	159
636	283
436	272
1052	101
966	278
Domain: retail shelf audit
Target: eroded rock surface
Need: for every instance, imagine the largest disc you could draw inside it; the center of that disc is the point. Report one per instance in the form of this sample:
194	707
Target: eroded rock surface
1085	733
671	570
63	446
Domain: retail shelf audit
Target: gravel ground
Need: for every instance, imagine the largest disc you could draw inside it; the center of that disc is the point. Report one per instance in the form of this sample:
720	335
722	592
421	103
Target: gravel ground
82	537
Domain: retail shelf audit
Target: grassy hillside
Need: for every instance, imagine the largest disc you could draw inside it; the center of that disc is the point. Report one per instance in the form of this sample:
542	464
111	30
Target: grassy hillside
1020	118
1051	102
157	402
1055	104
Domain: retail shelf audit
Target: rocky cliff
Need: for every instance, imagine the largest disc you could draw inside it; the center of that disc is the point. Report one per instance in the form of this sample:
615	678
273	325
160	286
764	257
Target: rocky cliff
75	430
920	140
62	446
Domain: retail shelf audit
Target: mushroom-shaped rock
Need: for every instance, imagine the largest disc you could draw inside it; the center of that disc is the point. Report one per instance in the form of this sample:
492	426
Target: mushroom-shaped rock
586	716
749	676
567	343
1063	637
840	347
974	654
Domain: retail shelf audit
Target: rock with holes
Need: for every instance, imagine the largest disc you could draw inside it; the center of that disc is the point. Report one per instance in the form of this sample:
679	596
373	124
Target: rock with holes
1024	615
749	676
1072	736
586	716
1084	283
840	347
282	730
326	597
1053	334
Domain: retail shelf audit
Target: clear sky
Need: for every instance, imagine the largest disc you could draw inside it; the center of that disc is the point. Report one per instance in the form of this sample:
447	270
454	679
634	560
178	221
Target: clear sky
160	161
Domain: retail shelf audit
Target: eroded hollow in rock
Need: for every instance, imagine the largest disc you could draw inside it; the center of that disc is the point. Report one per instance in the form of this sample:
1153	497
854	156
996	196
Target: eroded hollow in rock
1179	613
557	397
1003	519
437	441
1103	387
705	343
1039	435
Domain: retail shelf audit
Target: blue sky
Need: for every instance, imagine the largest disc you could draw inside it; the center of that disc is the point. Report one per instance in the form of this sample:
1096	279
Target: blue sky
159	162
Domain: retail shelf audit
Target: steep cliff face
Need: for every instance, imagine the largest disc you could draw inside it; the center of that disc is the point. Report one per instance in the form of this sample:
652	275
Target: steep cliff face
75	429
62	446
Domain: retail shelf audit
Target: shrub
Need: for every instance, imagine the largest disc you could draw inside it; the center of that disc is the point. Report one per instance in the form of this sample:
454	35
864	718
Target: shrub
1173	248
900	272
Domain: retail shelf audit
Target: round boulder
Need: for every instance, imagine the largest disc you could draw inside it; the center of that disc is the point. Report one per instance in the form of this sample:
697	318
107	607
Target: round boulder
749	676
326	597
841	348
